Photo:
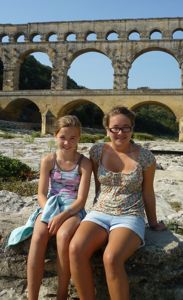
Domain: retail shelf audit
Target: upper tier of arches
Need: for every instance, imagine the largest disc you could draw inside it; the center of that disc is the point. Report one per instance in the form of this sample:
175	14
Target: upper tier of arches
106	30
121	41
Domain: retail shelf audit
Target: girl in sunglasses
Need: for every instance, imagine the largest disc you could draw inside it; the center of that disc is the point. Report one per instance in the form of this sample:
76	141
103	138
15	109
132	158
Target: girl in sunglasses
124	174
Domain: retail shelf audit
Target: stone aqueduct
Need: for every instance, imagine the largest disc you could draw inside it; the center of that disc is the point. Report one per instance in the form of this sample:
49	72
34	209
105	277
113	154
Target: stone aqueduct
122	52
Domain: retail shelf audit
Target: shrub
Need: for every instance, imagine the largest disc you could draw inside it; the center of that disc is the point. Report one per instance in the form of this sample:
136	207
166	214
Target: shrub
106	139
22	188
7	135
87	138
143	136
175	205
99	136
36	134
29	139
11	168
172	225
51	145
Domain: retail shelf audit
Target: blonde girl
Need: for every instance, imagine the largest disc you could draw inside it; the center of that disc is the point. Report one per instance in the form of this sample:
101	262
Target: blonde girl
62	193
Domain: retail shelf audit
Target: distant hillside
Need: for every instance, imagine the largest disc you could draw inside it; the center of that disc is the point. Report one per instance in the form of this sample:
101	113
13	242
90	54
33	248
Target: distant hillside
36	76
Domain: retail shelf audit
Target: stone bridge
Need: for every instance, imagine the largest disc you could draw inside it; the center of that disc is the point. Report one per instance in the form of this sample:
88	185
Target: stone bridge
18	41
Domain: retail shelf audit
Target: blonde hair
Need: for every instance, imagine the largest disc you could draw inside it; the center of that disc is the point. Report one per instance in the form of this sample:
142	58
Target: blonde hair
67	121
119	110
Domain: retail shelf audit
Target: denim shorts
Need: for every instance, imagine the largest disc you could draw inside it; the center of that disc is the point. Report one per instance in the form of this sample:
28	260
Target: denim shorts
110	222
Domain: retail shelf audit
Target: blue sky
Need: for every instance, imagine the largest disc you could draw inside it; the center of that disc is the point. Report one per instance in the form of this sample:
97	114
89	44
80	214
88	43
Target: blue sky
164	69
24	11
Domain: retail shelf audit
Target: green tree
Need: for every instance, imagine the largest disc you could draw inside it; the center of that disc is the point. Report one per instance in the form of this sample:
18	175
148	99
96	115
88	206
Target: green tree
156	120
71	84
89	114
34	75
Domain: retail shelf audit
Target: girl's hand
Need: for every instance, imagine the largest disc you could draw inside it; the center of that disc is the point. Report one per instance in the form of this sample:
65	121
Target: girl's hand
55	223
160	226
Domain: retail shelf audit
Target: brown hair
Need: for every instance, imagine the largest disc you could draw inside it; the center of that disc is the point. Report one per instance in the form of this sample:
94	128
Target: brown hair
67	121
117	110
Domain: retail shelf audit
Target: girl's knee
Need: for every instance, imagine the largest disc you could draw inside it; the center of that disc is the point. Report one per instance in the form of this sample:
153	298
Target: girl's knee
75	249
40	235
63	238
112	260
108	258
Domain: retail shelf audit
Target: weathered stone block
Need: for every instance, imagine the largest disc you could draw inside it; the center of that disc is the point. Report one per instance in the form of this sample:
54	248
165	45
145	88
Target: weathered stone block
155	271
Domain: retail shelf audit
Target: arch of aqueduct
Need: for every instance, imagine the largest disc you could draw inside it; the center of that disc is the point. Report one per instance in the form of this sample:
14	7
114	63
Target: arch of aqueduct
122	53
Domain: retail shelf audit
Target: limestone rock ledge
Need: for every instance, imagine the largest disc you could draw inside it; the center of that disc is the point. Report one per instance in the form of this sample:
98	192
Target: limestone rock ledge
155	271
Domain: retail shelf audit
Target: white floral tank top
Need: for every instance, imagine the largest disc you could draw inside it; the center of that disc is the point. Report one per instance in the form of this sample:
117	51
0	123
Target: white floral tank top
120	193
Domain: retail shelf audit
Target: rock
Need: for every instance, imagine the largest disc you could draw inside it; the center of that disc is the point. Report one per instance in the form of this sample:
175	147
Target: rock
155	271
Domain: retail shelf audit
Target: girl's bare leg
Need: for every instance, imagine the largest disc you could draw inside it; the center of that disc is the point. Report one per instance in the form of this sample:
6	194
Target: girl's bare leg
88	238
63	237
35	264
121	245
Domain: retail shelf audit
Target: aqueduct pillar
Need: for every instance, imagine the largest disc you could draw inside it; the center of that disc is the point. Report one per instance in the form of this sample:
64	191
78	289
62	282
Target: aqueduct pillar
181	130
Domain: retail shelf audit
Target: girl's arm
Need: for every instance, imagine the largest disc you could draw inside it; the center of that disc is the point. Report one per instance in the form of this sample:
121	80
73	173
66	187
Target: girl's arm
95	170
46	166
149	198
